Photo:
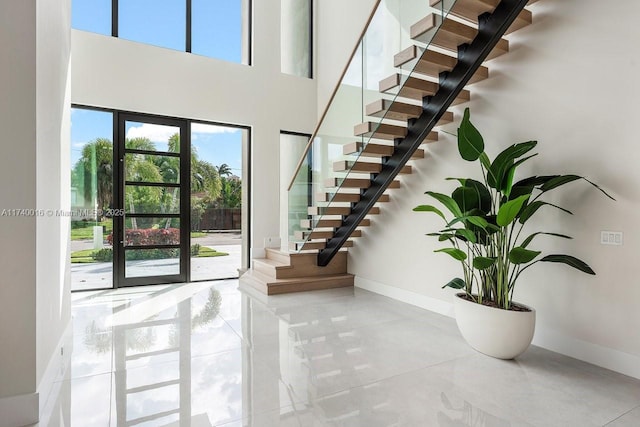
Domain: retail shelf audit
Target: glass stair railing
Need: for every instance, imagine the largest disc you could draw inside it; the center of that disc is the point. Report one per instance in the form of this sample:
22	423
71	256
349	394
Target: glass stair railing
396	67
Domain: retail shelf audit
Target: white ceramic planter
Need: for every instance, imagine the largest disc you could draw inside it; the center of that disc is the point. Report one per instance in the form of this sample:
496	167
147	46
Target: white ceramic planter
503	334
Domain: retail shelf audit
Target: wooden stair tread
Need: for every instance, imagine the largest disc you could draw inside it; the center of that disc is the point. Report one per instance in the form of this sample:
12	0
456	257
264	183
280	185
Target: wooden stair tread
470	10
431	63
350	165
330	223
318	235
338	197
394	110
375	150
450	35
313	246
379	131
415	88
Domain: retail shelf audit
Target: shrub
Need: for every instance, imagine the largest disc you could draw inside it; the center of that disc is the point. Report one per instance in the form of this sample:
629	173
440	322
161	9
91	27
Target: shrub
195	249
103	255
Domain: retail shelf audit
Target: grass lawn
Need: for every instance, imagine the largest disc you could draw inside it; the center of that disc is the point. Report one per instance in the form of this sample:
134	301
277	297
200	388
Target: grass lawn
206	252
196	234
84	257
86	233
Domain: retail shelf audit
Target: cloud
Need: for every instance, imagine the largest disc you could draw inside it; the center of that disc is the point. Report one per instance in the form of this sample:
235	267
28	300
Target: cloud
204	128
160	133
155	133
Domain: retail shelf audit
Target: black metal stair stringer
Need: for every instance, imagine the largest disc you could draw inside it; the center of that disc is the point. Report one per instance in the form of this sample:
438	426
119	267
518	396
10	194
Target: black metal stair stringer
491	28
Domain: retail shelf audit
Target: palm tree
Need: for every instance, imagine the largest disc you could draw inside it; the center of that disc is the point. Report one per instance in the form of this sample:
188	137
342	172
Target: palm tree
224	170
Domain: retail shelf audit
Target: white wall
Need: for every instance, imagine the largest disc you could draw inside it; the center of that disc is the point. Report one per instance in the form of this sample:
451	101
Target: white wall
18	191
570	82
34	292
120	74
339	24
53	100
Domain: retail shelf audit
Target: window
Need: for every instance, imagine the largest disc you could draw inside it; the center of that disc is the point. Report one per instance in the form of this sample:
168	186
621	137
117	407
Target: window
217	29
295	38
92	15
160	23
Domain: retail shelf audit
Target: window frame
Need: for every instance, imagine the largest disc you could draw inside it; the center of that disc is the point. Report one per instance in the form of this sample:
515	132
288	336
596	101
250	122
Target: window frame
247	37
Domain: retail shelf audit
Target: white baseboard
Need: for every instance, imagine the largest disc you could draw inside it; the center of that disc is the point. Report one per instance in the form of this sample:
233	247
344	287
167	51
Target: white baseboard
413	298
55	372
20	410
615	360
624	363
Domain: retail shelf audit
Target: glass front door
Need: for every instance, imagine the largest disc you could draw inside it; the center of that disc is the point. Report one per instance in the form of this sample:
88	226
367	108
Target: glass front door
151	227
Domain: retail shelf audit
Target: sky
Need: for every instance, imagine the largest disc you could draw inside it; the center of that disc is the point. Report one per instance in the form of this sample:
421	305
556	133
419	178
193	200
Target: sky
215	144
216	32
216	24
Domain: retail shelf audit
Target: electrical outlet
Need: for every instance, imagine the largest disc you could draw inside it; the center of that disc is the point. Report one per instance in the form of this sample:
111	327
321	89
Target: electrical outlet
271	242
611	238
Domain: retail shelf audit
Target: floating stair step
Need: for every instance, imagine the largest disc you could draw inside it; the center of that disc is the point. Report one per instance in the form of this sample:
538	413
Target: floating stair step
407	87
394	184
470	10
347	197
379	131
349	165
338	197
406	170
317	235
348	182
271	286
432	63
329	223
400	111
415	88
329	210
312	246
394	110
375	150
450	35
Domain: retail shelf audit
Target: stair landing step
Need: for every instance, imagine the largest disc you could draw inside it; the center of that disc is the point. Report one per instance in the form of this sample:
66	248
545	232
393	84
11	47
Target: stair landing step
271	286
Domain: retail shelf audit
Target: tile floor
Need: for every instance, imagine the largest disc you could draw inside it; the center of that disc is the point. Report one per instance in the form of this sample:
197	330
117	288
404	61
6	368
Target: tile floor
209	354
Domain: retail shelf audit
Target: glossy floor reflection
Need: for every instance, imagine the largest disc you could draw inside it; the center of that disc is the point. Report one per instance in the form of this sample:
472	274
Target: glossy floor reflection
209	354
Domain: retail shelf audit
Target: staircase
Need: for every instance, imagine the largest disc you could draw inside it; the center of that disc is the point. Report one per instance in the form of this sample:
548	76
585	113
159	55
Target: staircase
448	53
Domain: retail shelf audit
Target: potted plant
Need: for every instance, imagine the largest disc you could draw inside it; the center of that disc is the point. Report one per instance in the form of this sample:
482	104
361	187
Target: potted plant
485	230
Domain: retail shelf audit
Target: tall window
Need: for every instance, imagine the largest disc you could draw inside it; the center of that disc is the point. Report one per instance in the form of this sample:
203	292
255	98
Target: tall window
91	198
217	29
296	37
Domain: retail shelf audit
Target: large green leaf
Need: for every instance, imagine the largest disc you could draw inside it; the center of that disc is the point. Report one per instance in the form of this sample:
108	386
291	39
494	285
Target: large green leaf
504	160
470	142
467	198
520	190
429	208
570	261
466	235
560	180
455	253
482	263
528	240
532	208
520	255
475	220
509	211
456	283
483	193
534	181
447	201
507	184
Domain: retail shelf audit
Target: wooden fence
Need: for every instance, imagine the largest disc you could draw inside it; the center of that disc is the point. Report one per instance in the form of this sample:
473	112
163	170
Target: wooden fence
218	219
